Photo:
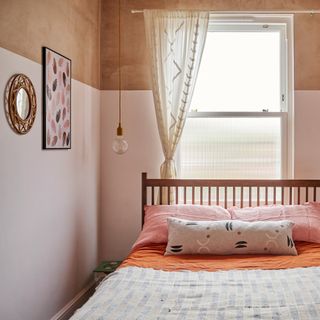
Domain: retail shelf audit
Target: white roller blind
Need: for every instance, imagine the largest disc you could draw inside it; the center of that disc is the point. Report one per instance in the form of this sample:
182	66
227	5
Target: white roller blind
231	148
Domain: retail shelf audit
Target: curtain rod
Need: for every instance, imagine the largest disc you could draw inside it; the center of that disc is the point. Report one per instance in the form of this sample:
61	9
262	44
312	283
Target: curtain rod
311	12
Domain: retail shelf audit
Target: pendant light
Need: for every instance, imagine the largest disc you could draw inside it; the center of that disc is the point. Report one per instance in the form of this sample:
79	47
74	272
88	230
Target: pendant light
119	144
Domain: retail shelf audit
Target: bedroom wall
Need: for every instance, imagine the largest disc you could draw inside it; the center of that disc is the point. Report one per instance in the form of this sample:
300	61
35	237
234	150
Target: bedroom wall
120	192
49	200
71	27
135	70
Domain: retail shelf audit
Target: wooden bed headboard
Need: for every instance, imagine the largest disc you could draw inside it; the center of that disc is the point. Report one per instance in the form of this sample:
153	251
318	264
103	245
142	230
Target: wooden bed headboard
227	192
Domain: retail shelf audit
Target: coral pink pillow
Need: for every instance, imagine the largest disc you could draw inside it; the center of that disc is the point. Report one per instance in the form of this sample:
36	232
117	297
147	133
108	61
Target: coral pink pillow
306	218
155	228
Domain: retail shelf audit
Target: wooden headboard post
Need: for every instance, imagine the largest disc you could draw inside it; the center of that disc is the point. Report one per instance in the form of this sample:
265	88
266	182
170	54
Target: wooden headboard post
143	194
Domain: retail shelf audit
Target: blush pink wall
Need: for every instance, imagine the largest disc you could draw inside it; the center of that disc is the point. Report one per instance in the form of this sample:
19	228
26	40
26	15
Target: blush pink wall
120	193
121	174
48	205
307	134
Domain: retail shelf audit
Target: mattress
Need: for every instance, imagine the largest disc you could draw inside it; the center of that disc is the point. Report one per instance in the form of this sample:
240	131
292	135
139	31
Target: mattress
149	285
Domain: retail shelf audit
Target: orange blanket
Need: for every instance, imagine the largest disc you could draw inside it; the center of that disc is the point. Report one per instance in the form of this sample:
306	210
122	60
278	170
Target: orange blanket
152	257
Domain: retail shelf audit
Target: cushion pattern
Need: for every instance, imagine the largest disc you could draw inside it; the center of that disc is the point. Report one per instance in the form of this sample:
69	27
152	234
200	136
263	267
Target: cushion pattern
229	237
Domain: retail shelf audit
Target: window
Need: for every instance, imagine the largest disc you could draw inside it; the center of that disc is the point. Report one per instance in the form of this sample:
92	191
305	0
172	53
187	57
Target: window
239	122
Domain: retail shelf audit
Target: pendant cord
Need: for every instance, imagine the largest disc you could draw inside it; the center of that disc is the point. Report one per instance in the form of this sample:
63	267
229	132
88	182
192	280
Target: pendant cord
119	61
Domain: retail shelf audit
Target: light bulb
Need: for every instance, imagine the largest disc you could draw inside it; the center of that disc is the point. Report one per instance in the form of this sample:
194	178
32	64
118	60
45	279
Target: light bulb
119	145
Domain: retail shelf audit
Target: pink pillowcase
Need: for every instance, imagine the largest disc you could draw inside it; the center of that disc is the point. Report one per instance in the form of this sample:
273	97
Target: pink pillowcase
155	229
306	218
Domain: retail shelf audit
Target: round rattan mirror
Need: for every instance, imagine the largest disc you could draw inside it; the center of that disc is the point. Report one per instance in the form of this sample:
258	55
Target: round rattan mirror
21	103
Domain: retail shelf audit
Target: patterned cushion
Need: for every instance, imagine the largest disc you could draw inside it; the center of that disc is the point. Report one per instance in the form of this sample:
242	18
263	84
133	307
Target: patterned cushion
228	237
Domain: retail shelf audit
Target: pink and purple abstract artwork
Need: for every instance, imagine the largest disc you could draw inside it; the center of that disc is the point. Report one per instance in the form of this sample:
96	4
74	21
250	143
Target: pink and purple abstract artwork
57	100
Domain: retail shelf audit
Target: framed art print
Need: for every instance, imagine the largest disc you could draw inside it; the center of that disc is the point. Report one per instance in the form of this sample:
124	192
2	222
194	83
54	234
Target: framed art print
56	100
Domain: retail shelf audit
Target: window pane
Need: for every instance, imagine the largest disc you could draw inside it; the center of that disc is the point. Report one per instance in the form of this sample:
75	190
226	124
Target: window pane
240	71
231	148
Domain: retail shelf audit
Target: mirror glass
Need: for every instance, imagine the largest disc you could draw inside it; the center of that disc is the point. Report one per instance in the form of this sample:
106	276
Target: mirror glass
22	104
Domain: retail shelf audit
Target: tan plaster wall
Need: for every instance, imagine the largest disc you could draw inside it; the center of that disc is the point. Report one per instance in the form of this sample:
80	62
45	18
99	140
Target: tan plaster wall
135	72
71	27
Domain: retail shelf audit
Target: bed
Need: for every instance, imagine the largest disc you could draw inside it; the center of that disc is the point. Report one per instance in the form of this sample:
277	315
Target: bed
151	285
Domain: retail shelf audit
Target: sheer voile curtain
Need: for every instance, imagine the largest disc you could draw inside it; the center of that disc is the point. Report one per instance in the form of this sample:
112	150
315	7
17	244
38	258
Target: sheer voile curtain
175	41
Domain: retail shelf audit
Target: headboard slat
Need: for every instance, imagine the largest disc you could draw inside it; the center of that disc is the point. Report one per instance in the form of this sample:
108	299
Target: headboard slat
290	195
226	197
192	194
266	196
241	197
152	195
160	194
177	194
233	196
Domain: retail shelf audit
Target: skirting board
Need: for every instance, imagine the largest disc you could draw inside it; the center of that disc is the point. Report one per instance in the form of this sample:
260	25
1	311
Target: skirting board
67	311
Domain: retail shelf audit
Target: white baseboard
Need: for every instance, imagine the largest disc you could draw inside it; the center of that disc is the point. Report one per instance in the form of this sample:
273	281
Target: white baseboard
67	311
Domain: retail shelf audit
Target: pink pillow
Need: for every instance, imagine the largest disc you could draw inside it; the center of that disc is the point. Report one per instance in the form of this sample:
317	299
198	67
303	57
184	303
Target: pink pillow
306	218
155	228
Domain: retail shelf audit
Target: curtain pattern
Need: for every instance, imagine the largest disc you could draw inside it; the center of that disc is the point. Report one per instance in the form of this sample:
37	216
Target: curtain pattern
175	40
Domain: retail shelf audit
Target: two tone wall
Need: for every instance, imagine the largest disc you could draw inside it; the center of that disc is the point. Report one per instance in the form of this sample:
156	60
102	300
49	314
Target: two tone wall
49	200
135	68
49	205
120	184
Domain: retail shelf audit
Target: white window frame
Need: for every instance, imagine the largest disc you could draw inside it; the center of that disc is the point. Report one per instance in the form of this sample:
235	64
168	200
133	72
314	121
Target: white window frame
263	23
